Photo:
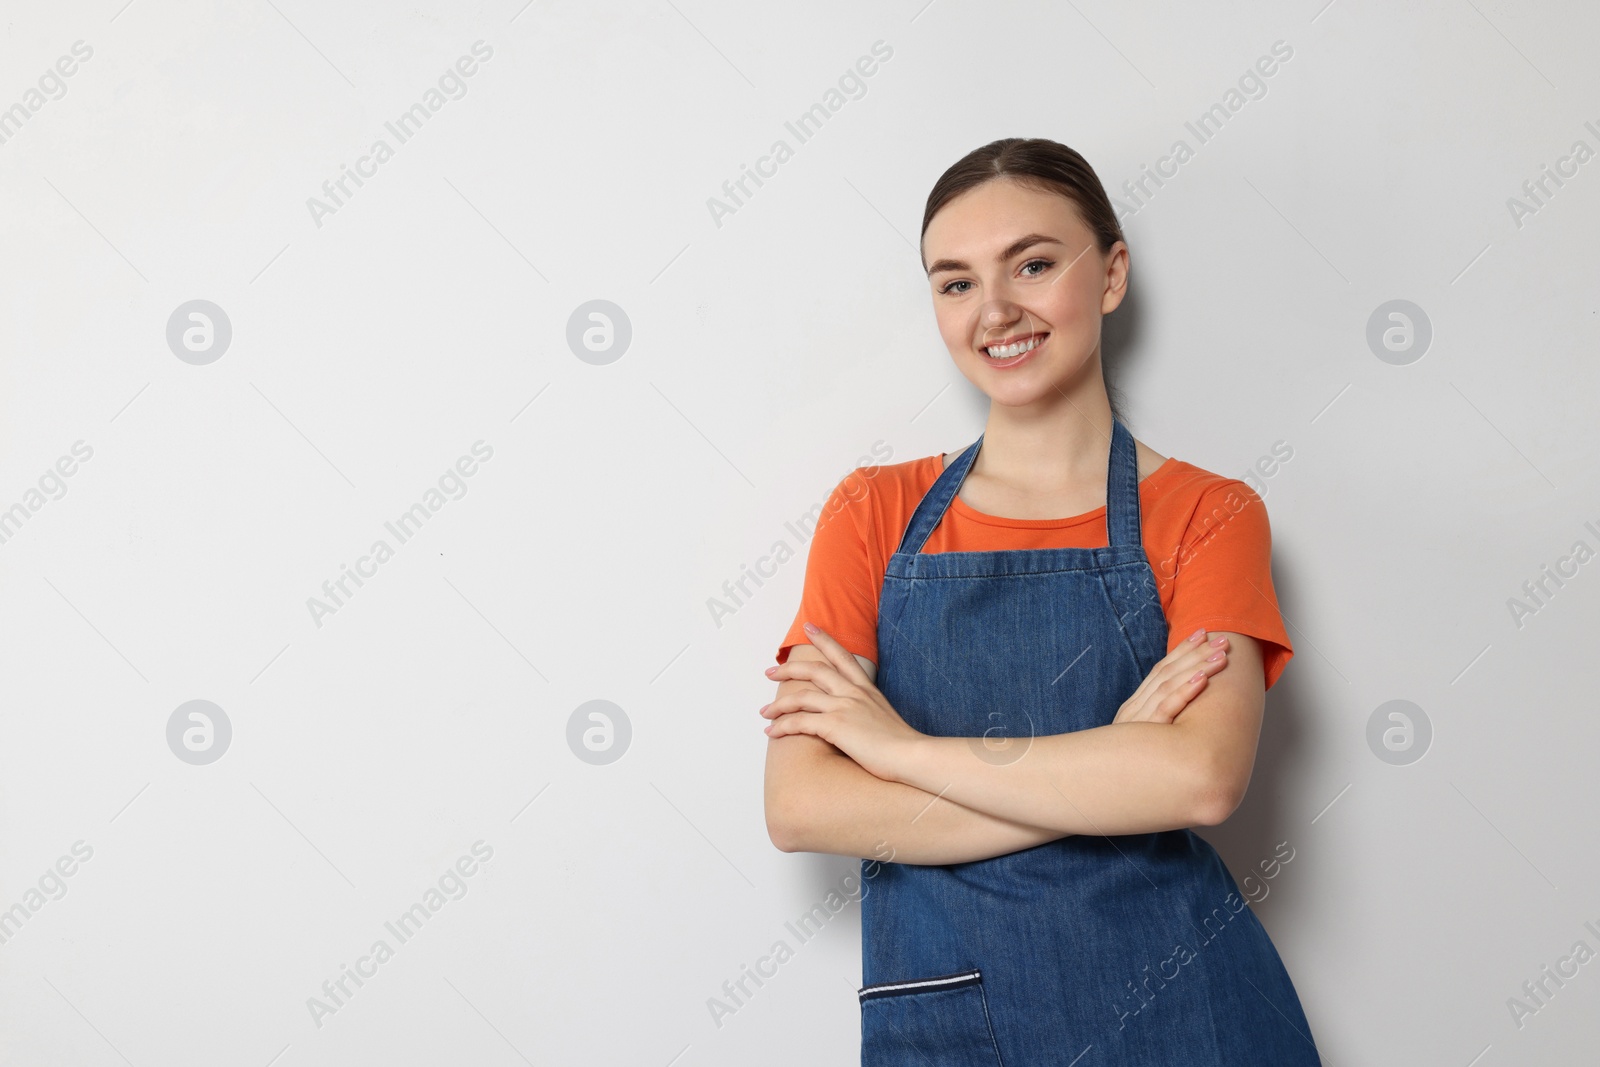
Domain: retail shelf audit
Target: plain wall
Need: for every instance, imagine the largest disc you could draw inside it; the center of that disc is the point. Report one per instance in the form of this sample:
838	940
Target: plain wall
770	349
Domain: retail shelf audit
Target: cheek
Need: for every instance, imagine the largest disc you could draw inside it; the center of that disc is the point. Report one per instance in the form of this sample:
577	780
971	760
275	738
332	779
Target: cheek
1075	305
953	327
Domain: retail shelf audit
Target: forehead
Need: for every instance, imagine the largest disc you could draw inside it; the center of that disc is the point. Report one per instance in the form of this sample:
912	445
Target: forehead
984	219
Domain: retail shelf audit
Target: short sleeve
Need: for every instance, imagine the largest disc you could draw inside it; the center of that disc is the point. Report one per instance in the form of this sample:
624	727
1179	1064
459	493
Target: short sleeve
1223	578
840	594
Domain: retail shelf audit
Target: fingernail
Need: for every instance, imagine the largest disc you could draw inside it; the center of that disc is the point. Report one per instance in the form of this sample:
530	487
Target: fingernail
1215	656
762	708
770	671
1198	634
810	629
1197	676
1219	640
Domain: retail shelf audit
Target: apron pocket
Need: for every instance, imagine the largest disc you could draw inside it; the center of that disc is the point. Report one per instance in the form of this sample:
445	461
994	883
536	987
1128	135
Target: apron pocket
927	1022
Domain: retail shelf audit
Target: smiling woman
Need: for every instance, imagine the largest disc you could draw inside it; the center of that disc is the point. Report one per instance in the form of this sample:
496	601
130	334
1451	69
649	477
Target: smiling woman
970	609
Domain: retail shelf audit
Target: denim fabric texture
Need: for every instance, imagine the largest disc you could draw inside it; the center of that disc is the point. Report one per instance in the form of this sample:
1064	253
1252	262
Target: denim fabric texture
1133	949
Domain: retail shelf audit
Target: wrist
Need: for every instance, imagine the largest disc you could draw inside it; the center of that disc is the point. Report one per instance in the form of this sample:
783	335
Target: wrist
909	757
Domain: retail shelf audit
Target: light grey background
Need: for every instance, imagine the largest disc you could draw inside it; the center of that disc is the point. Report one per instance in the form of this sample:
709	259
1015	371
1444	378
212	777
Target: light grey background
769	354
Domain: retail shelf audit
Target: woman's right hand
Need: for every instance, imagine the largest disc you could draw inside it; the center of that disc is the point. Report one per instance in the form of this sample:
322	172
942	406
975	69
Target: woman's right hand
1176	680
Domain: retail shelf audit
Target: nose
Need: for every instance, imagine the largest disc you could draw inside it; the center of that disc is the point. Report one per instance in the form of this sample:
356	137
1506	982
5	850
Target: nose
995	317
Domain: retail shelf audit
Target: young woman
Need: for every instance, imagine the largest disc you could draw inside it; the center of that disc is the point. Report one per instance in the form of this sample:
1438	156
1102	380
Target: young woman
1013	718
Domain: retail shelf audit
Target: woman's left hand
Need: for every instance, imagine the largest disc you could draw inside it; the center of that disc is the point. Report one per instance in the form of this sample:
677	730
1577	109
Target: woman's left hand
845	708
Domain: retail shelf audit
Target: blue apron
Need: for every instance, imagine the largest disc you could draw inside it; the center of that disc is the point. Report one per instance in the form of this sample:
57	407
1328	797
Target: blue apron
1131	949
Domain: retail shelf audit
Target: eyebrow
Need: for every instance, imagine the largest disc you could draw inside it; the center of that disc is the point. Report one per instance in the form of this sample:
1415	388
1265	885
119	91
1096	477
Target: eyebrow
1021	244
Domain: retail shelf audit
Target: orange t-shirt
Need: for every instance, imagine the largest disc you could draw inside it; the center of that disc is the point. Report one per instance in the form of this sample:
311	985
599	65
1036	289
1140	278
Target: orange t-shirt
1206	537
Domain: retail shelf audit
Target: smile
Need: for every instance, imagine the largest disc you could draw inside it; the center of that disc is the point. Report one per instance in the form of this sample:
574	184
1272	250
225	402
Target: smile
1015	349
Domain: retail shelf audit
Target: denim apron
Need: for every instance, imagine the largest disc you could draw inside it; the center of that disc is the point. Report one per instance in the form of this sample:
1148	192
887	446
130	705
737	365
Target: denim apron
1088	950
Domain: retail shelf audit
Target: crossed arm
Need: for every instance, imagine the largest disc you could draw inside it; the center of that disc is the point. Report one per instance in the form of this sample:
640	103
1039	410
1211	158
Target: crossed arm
846	775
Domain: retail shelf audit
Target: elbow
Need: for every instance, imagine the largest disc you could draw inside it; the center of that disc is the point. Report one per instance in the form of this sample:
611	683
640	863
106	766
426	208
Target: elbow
1217	797
797	798
782	836
1213	808
783	828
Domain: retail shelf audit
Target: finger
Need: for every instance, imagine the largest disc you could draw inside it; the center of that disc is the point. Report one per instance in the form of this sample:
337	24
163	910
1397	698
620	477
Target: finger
1188	644
1173	670
794	724
1190	649
1176	703
1175	660
792	693
841	658
1207	657
820	673
1180	691
1169	697
800	700
1169	700
1192	656
1177	683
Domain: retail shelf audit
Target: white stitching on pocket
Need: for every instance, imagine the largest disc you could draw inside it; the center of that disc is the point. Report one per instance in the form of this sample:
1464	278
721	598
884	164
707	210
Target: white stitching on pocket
946	981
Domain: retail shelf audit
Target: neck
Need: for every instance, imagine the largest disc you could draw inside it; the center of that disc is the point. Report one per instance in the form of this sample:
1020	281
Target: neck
1053	444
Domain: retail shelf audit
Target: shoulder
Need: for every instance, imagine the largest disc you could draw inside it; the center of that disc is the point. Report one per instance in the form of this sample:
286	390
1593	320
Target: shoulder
1180	483
1193	514
1149	460
881	495
1186	501
888	484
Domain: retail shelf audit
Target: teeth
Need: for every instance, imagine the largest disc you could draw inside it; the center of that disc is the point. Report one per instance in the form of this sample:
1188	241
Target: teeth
1010	351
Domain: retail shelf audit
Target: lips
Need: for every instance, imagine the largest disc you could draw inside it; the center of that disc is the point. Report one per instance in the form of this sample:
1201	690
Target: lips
1022	346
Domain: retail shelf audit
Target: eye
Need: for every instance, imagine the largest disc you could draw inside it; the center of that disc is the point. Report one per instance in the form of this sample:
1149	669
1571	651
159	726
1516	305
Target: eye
1042	264
945	288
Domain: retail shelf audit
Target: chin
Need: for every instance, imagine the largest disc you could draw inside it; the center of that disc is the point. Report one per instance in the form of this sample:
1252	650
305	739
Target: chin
1021	398
1013	392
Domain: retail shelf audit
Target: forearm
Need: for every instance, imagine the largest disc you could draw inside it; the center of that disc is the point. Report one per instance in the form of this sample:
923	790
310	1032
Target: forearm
1122	778
820	800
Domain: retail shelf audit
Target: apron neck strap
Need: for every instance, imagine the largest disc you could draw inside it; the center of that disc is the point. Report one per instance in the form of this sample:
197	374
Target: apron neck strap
1122	493
1122	488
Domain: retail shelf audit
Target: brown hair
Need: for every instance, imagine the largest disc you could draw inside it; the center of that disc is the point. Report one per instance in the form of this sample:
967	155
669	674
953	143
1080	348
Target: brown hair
1042	164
